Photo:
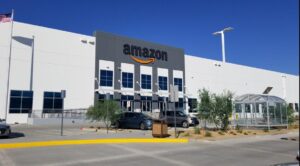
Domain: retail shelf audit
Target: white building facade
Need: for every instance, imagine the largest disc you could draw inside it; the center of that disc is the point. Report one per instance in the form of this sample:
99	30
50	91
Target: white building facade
218	77
45	61
61	62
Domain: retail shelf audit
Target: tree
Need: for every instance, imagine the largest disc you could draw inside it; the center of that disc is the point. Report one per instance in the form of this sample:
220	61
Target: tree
290	115
205	107
223	108
107	111
215	108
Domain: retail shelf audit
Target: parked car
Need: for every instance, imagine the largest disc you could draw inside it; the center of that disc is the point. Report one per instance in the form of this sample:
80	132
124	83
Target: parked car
181	118
4	129
134	120
193	121
193	112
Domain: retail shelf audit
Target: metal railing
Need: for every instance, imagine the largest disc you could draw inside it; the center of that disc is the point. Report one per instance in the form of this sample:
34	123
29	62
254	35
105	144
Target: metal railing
78	113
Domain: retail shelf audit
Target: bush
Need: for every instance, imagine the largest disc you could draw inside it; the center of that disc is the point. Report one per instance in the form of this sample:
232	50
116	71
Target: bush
254	133
208	134
187	134
240	131
107	111
237	127
245	133
197	130
216	108
233	133
221	132
290	115
266	130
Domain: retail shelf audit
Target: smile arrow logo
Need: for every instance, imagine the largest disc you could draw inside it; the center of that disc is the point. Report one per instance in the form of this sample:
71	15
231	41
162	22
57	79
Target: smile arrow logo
147	61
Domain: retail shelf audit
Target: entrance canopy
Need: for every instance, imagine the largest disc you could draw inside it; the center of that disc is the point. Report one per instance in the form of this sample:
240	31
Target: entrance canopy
251	98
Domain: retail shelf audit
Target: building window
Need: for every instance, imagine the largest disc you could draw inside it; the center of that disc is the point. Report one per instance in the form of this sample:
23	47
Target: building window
146	81
192	105
127	102
296	107
247	108
53	102
179	104
178	81
106	78
163	83
20	101
127	80
146	104
238	108
102	97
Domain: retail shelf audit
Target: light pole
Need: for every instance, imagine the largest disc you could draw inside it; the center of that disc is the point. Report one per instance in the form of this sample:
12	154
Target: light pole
137	82
120	80
223	41
159	90
164	105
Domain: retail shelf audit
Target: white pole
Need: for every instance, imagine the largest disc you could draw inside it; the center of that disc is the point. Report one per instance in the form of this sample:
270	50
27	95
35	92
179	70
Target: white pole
32	63
9	62
268	114
223	46
284	86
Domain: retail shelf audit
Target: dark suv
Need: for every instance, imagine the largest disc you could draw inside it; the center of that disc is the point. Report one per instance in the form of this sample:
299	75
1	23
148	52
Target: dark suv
134	120
181	118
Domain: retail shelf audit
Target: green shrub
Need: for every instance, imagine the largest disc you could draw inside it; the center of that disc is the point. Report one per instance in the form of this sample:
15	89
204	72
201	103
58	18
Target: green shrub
266	130
240	131
208	134
187	134
237	127
197	130
233	133
221	132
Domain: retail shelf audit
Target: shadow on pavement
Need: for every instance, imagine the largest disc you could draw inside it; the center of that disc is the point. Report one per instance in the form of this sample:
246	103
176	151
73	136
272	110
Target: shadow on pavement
287	164
14	135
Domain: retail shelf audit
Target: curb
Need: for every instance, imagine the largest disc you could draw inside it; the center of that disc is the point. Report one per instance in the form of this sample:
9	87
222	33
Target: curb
93	141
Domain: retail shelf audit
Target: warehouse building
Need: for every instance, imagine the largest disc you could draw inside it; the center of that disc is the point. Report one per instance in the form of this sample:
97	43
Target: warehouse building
134	72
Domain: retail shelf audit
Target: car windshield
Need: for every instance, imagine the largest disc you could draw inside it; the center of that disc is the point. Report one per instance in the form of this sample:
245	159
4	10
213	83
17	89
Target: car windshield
145	116
180	113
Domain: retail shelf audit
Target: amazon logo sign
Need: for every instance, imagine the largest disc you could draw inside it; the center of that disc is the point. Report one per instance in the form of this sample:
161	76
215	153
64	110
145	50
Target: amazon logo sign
144	55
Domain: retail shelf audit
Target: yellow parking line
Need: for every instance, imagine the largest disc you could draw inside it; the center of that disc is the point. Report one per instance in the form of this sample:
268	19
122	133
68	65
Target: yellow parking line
92	141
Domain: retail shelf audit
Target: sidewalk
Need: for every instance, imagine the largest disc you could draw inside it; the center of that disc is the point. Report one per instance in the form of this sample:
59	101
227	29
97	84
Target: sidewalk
252	138
23	133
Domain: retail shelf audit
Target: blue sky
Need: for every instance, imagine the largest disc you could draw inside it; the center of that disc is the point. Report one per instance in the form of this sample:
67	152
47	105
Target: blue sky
265	35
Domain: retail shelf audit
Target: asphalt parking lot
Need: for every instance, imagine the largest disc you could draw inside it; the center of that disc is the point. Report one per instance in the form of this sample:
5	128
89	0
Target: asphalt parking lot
41	133
263	150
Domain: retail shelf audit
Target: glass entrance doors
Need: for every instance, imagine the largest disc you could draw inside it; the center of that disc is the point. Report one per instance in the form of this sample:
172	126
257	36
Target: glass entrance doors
127	103
146	104
162	103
